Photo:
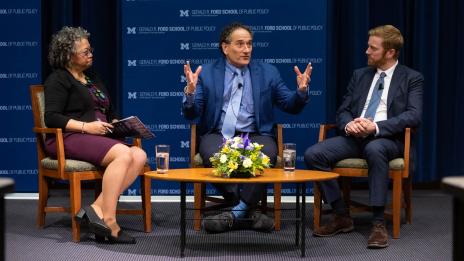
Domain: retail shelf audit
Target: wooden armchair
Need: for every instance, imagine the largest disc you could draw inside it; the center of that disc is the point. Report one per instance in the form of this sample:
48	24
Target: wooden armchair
350	168
73	171
200	196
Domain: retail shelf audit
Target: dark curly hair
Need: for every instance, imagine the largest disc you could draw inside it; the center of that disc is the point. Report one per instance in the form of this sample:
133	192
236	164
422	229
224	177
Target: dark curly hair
62	45
228	30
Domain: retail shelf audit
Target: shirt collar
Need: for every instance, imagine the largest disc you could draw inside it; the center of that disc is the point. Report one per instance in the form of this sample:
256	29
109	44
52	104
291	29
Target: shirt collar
232	69
389	71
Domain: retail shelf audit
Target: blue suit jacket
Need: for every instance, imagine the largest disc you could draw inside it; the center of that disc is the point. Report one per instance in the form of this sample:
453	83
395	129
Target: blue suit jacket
269	90
404	101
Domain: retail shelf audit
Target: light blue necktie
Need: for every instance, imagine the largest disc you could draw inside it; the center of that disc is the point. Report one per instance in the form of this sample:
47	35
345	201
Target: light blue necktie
375	98
230	119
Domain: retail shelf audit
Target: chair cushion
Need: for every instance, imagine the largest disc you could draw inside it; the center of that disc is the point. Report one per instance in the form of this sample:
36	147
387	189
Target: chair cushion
396	164
198	161
70	165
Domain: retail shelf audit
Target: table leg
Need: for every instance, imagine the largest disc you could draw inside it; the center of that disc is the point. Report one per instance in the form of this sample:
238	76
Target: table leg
303	219
182	218
297	214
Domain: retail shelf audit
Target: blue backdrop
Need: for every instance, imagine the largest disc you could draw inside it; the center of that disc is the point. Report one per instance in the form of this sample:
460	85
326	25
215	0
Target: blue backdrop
20	48
433	41
158	37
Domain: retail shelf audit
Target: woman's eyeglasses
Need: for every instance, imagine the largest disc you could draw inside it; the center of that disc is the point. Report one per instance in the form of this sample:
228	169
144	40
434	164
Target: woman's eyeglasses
86	52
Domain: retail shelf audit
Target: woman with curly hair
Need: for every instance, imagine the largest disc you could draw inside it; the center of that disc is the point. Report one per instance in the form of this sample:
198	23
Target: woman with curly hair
77	101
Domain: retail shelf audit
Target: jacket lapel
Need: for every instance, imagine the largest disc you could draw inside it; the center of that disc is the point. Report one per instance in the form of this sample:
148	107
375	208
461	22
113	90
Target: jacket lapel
255	75
219	74
366	82
398	74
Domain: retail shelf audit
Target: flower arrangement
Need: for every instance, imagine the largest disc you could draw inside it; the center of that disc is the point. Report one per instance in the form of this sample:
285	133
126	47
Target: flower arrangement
239	157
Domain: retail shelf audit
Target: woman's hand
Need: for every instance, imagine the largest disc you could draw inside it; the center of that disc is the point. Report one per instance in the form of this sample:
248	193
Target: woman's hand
97	127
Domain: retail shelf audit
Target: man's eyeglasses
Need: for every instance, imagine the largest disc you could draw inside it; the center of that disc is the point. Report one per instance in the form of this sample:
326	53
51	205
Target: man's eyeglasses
86	52
242	44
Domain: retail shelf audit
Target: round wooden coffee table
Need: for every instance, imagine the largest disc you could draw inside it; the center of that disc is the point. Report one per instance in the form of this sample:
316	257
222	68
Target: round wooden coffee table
205	175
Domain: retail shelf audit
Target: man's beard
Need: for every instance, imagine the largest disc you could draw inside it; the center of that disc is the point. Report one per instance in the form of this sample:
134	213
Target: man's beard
378	63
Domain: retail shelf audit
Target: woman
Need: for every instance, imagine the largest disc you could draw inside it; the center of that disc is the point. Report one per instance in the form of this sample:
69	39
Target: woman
77	102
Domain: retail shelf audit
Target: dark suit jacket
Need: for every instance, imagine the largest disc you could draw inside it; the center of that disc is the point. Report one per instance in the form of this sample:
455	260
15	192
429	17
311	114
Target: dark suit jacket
404	101
268	90
66	98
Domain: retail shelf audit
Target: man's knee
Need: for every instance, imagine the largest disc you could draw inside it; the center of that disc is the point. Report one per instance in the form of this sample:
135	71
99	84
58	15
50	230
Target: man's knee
375	150
313	155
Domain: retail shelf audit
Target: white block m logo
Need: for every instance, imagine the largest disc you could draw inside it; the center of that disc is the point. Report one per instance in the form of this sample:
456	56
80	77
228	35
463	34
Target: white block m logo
185	144
184	46
131	30
131	95
183	13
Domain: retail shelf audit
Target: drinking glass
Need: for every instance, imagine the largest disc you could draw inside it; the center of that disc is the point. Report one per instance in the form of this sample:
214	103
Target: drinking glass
162	158
289	157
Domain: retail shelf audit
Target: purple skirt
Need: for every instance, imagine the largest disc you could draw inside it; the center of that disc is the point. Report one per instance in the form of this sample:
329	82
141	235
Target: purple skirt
84	147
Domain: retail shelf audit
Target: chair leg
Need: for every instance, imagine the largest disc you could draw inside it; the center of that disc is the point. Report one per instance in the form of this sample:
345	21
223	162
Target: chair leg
317	207
145	183
407	194
43	198
396	205
277	205
198	204
346	190
75	198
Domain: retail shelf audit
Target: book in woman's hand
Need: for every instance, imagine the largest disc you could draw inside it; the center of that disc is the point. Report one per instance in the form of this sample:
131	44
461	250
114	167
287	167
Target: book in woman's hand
130	127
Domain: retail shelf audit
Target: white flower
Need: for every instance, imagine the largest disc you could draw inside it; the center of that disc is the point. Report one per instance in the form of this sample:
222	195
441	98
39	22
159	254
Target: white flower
247	163
255	144
237	139
234	145
223	158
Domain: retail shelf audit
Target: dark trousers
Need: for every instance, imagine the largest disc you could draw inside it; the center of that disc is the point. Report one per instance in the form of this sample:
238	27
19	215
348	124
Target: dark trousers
377	152
250	193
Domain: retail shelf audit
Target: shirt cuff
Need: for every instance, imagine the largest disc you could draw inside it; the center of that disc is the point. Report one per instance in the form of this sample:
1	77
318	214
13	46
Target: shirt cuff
376	129
188	99
346	132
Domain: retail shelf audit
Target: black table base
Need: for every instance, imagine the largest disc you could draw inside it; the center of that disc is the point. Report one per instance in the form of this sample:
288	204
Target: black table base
300	213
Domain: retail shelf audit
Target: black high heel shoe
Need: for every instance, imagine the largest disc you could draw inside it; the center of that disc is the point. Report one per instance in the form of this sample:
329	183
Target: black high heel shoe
123	238
80	216
96	224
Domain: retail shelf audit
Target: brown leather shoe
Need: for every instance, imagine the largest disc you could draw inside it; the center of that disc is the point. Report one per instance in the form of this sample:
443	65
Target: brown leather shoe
378	237
339	224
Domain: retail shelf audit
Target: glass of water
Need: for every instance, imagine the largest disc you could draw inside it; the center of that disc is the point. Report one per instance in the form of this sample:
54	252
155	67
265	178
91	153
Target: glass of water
162	158
289	157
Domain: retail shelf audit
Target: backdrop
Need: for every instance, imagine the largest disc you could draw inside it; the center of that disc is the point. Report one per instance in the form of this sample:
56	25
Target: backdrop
20	51
432	30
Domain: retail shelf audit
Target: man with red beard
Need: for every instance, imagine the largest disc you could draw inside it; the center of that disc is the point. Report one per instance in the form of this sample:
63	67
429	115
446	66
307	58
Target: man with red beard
382	100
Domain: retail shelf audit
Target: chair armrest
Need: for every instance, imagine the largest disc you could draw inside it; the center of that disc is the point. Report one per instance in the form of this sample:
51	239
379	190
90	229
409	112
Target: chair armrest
137	142
60	155
193	144
46	130
407	148
280	146
323	129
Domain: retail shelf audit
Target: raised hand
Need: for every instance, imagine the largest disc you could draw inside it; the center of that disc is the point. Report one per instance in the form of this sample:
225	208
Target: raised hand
192	77
303	79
